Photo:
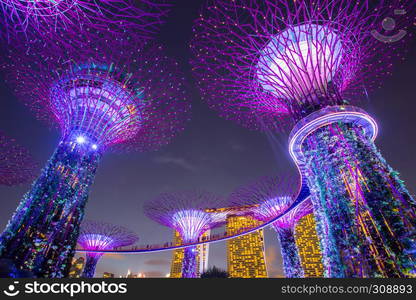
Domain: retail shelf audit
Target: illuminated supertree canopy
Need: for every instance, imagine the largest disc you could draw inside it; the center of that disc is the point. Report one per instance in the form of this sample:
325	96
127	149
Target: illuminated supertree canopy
102	236
271	197
186	212
129	100
111	94
273	64
47	18
16	164
269	63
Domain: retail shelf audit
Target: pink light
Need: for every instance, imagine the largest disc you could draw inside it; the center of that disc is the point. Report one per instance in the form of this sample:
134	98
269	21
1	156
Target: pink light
191	223
299	61
96	242
271	208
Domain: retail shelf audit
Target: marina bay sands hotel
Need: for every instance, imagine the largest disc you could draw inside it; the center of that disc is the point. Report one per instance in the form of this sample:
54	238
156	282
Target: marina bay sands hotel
246	255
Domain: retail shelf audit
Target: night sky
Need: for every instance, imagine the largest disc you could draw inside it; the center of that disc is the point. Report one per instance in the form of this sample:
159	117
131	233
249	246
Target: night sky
211	154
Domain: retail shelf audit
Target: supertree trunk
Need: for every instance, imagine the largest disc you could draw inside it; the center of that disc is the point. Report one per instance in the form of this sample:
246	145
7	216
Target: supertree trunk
90	265
42	234
291	260
365	216
189	263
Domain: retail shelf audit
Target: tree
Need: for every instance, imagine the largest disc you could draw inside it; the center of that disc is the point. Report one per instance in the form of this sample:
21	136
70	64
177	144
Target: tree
215	272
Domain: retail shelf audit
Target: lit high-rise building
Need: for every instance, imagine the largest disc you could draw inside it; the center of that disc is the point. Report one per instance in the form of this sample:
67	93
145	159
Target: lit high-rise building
108	275
245	254
76	267
132	275
178	255
308	247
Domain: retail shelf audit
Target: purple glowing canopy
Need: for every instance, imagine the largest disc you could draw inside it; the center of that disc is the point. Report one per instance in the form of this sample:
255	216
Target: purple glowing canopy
96	235
272	62
270	197
16	164
48	18
185	212
111	91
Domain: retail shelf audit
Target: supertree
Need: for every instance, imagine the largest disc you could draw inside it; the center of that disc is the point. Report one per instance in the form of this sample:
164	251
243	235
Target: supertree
113	93
274	196
277	64
16	164
186	212
102	236
48	19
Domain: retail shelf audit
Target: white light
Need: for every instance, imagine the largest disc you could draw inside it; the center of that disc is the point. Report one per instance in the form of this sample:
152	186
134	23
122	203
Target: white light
329	118
80	140
300	61
94	147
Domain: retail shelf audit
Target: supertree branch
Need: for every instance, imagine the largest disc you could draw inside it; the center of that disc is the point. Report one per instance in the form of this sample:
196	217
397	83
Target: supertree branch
102	236
16	164
275	193
276	61
285	229
271	197
41	235
112	93
273	64
187	213
365	215
49	19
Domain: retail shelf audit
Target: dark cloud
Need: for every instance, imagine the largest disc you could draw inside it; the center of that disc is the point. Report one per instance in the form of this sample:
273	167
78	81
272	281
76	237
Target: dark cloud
176	161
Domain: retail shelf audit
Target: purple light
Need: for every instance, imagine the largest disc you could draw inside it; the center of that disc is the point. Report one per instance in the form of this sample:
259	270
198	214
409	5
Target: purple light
104	236
271	196
185	212
97	242
275	64
324	117
316	48
98	105
268	64
273	207
191	223
115	93
16	164
48	20
41	7
107	87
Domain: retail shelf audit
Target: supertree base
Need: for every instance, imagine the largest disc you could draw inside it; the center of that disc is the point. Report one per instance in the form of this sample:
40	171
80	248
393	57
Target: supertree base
90	265
42	234
292	266
189	263
365	216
